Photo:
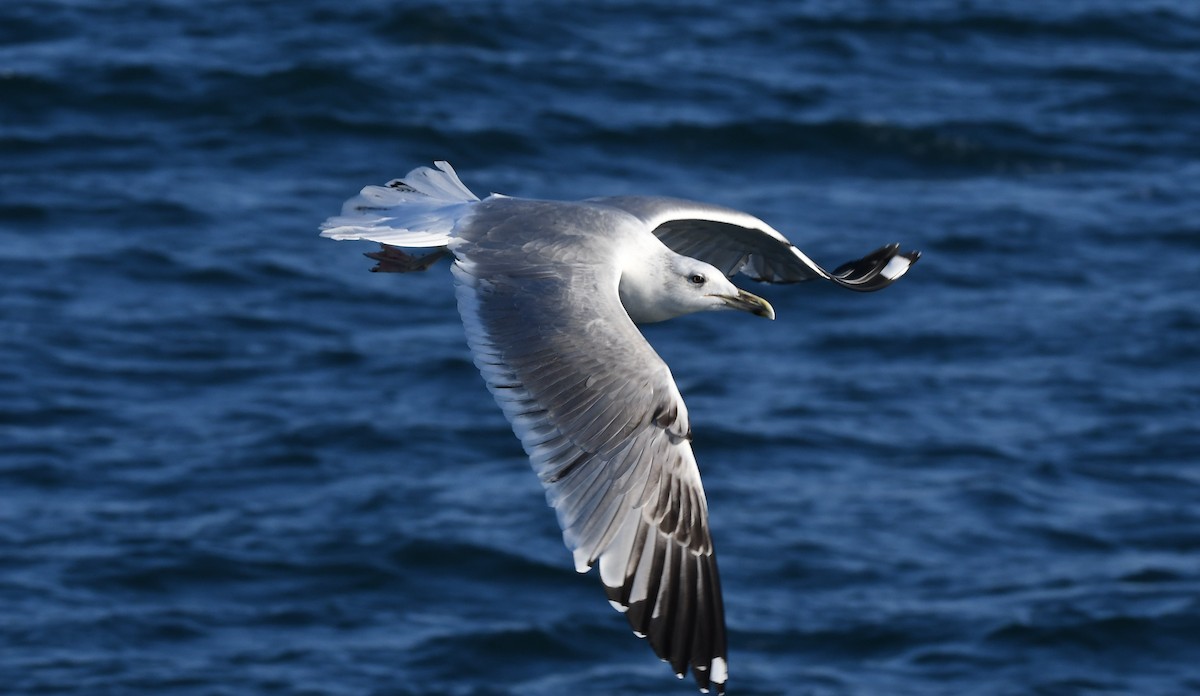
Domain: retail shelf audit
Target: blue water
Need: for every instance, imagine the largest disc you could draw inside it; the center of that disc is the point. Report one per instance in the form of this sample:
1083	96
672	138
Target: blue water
234	462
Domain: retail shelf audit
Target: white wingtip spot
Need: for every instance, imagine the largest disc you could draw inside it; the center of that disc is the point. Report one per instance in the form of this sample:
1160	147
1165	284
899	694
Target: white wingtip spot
720	673
639	634
895	268
581	561
618	606
679	675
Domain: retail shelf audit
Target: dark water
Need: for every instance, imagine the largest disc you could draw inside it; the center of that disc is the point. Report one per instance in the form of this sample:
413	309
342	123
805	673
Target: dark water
234	462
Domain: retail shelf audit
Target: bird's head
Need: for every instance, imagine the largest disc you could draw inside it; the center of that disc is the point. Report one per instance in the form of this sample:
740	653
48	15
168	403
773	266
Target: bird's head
699	286
674	285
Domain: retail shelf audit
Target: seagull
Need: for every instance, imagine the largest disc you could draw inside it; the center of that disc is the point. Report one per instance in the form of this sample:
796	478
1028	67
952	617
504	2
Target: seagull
550	294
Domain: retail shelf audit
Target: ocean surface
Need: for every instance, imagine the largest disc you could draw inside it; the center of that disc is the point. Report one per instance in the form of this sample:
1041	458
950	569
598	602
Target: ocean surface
233	462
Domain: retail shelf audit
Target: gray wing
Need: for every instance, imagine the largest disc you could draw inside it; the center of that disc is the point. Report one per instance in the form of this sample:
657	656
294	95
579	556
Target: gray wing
600	416
734	242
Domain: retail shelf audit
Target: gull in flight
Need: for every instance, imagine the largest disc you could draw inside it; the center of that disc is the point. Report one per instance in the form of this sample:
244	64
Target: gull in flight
550	294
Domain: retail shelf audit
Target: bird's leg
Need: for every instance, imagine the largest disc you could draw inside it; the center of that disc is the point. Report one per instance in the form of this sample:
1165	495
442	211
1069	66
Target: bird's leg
392	260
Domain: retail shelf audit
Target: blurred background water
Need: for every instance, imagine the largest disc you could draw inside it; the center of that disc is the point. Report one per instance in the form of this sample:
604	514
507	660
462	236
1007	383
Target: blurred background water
234	462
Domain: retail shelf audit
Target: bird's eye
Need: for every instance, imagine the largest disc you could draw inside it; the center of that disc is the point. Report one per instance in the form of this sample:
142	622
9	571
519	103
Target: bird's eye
696	279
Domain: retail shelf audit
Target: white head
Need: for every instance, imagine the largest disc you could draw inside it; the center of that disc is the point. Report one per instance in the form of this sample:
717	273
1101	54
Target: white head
662	285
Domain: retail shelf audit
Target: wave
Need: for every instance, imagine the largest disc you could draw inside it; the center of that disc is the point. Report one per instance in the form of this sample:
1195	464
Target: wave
1160	25
868	148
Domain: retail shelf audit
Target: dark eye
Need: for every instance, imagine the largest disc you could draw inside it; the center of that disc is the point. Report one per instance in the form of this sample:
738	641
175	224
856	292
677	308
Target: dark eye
696	279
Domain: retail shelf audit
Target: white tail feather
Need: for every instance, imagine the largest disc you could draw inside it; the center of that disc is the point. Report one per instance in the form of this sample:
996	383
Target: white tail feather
419	210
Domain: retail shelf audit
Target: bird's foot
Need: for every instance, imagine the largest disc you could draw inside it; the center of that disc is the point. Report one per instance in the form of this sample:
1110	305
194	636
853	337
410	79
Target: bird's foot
392	260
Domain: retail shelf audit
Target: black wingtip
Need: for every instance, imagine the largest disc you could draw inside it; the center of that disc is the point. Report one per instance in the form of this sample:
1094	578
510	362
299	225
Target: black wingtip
876	270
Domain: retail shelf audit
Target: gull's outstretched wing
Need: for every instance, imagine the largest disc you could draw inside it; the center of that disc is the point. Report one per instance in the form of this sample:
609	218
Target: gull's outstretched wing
598	413
734	241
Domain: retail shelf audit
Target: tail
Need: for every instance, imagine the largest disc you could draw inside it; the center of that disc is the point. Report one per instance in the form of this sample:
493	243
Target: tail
419	210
